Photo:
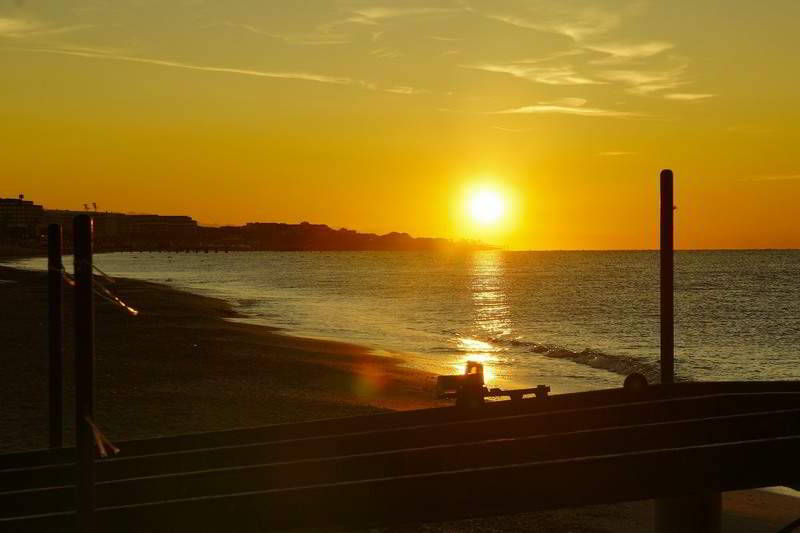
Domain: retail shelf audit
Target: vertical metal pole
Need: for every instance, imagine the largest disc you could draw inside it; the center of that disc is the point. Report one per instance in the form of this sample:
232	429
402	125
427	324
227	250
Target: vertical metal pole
667	279
84	372
55	299
696	511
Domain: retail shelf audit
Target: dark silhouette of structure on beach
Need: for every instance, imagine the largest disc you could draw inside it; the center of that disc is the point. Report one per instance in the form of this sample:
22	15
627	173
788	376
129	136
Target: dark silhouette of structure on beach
19	218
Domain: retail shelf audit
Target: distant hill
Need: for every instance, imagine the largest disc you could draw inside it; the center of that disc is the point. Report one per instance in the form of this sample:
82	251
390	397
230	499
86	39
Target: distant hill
320	237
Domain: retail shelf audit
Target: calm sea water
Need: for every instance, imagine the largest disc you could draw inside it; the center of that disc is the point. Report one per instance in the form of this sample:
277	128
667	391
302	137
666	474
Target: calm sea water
573	320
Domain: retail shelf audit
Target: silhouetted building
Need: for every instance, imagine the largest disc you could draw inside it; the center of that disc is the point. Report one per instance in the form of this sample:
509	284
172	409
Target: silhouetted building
160	227
119	229
20	218
108	227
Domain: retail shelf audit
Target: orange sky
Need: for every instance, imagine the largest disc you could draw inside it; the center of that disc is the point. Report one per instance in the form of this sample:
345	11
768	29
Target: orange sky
379	116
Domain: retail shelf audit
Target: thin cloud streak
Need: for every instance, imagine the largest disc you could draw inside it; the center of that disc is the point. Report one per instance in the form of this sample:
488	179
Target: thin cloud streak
576	24
643	82
303	76
546	108
548	75
617	52
386	53
14	28
311	39
687	97
373	15
569	101
402	89
384	12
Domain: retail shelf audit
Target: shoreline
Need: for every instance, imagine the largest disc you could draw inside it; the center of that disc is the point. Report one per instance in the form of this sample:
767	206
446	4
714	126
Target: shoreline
182	354
409	358
182	366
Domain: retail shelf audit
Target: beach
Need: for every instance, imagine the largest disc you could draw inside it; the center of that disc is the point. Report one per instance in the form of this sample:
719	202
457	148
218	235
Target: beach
181	366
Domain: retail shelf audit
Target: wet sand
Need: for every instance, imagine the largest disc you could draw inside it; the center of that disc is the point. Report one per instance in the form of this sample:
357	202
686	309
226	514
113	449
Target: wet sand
180	366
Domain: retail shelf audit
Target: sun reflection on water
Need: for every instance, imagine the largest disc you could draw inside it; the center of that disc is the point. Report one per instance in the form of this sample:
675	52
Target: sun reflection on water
491	321
478	351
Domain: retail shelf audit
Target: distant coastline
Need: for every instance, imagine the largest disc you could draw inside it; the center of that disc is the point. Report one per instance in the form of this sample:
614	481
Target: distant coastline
23	229
273	236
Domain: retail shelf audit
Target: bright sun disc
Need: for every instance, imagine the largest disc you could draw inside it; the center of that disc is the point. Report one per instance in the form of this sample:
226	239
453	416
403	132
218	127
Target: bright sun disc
486	206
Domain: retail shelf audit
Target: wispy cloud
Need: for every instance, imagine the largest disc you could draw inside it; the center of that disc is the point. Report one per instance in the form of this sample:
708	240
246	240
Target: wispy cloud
321	37
603	58
546	74
402	89
565	110
577	24
614	154
248	28
689	97
570	101
569	106
303	76
16	28
314	39
617	52
374	14
644	82
386	53
13	27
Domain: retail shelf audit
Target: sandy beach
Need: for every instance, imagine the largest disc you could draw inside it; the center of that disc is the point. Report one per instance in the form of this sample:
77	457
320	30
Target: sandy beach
181	366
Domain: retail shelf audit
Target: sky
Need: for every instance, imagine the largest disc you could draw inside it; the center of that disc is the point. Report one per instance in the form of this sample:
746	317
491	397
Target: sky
387	116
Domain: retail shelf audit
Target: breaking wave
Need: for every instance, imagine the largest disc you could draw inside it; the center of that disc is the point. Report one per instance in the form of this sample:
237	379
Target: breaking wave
618	364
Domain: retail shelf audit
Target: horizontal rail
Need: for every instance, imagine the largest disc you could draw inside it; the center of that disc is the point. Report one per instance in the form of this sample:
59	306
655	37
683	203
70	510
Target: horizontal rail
406	437
404	462
464	493
404	418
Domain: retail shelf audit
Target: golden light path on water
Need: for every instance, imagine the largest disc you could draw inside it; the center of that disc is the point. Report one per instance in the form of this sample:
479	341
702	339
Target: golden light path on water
491	317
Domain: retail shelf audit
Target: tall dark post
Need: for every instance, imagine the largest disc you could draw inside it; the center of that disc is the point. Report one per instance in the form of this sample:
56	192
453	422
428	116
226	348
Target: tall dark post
55	315
667	279
698	510
84	372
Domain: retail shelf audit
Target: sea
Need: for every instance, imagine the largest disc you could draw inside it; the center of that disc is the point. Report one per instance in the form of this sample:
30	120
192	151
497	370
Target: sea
571	320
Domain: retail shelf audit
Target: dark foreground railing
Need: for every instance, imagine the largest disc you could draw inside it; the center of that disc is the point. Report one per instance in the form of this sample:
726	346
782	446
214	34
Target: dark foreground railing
433	464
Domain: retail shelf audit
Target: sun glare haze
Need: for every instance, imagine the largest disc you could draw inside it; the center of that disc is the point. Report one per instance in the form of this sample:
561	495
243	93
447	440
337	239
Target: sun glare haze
486	206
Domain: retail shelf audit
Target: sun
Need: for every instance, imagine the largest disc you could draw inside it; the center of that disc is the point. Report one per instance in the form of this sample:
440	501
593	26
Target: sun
486	206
